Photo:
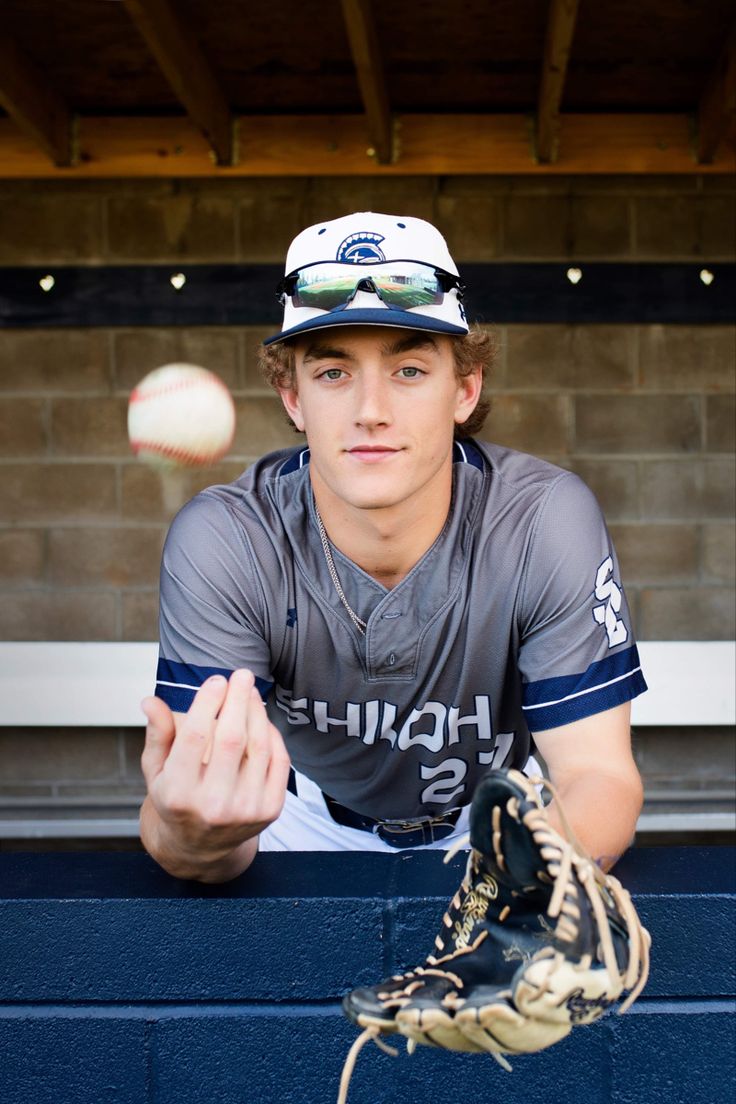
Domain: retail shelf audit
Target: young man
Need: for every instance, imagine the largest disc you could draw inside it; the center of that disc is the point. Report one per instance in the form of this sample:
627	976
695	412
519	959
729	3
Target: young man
411	606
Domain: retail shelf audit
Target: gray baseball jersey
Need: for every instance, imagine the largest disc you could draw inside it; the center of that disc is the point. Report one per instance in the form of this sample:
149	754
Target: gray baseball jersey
512	622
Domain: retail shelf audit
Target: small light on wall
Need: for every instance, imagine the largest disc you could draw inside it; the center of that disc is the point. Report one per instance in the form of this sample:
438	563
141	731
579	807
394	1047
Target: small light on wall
574	275
46	283
707	276
178	280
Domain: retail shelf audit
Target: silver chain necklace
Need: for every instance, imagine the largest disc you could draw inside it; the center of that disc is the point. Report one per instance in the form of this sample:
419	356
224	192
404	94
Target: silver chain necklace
357	621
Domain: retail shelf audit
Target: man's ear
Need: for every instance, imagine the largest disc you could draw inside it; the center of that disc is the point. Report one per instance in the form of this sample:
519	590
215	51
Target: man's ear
290	399
468	392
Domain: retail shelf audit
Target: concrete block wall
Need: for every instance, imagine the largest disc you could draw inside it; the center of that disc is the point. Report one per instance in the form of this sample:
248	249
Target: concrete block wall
120	983
644	413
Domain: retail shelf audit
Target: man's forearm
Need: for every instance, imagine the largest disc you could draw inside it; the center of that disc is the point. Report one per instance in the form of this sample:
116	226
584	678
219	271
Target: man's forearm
193	865
602	810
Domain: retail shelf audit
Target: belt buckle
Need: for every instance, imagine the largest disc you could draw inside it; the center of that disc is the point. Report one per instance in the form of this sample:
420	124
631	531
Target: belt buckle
426	826
394	832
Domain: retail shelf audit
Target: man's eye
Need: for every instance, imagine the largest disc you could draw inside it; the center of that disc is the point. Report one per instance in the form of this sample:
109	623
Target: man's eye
332	373
411	372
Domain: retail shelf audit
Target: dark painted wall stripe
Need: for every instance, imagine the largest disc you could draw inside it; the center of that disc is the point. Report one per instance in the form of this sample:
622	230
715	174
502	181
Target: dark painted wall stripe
241	295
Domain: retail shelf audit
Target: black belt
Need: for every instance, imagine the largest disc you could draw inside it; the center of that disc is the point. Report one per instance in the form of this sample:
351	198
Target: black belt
397	833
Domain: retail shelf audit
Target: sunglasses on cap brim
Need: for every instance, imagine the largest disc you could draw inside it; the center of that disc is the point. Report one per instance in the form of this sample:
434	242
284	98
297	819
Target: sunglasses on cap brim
403	284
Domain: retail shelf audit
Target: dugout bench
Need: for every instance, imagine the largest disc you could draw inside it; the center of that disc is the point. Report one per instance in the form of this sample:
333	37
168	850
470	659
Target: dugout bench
70	685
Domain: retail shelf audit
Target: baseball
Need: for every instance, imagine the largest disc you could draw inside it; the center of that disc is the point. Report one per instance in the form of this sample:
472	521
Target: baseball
180	415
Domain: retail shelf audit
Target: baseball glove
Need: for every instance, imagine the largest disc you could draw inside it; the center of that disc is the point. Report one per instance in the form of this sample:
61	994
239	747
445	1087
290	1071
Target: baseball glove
536	941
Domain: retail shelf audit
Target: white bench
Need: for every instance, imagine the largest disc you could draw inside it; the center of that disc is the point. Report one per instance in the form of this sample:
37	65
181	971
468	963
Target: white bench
73	685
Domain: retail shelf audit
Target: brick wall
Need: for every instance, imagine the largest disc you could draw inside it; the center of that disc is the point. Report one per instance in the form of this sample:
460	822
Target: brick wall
645	413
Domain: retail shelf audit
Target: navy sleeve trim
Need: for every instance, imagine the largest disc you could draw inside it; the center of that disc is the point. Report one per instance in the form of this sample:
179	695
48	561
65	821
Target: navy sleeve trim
177	683
605	684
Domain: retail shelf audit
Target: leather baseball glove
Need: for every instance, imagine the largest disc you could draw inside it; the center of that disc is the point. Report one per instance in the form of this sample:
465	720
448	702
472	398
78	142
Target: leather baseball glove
536	941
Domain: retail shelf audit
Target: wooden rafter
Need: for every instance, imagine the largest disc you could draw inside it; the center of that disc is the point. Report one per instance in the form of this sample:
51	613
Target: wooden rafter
180	58
334	145
717	108
560	29
34	105
363	38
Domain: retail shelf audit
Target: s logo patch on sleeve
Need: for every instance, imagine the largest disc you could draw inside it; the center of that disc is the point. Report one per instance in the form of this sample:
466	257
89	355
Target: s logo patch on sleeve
609	594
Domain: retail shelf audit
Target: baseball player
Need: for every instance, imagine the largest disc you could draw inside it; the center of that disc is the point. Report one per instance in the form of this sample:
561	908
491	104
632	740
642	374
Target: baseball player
358	628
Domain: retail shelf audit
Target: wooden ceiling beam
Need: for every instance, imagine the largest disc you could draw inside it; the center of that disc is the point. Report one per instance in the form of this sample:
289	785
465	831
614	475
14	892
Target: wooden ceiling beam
717	108
334	145
361	29
34	105
180	58
560	29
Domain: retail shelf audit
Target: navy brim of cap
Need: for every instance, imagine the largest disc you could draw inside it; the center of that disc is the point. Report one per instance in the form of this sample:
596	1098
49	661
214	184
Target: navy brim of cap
368	317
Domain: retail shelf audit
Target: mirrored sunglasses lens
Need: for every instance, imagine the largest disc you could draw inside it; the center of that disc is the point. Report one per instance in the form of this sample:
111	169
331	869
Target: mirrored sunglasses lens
410	287
328	286
323	287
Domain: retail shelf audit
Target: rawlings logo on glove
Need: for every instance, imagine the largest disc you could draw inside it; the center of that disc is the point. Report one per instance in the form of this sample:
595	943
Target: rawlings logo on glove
537	940
474	908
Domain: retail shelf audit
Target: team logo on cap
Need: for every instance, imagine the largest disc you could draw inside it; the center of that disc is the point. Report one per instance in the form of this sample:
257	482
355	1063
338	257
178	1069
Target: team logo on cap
361	248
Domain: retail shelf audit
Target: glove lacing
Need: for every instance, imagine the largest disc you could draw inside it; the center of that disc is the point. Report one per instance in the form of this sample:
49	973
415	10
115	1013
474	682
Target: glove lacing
562	856
370	1034
413	977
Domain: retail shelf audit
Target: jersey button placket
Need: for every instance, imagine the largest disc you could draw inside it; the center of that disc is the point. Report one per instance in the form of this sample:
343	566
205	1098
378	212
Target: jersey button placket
388	623
378	646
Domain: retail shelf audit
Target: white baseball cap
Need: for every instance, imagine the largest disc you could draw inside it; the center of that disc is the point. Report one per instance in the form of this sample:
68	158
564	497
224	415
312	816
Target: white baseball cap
368	269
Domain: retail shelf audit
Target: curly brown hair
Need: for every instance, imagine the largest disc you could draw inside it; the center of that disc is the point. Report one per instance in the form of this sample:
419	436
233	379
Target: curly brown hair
479	346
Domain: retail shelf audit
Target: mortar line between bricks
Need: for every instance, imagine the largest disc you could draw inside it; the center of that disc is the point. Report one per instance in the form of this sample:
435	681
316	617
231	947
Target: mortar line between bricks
167	1009
111	362
148	1038
317	1008
607	1073
680	457
123	523
388	964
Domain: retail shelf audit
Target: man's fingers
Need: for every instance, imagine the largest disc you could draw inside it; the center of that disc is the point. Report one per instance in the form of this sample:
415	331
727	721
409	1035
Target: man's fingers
265	770
230	736
160	733
232	787
230	732
231	728
226	751
277	779
257	749
197	727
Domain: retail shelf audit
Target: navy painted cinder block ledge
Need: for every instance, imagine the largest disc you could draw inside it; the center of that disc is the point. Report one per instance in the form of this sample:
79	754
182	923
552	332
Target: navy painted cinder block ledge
121	984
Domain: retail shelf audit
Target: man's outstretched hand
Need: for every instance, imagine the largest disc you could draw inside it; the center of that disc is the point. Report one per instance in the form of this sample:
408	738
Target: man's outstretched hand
216	777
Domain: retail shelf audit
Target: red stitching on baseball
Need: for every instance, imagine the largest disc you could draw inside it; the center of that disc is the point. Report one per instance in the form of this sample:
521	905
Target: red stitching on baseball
137	395
172	452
